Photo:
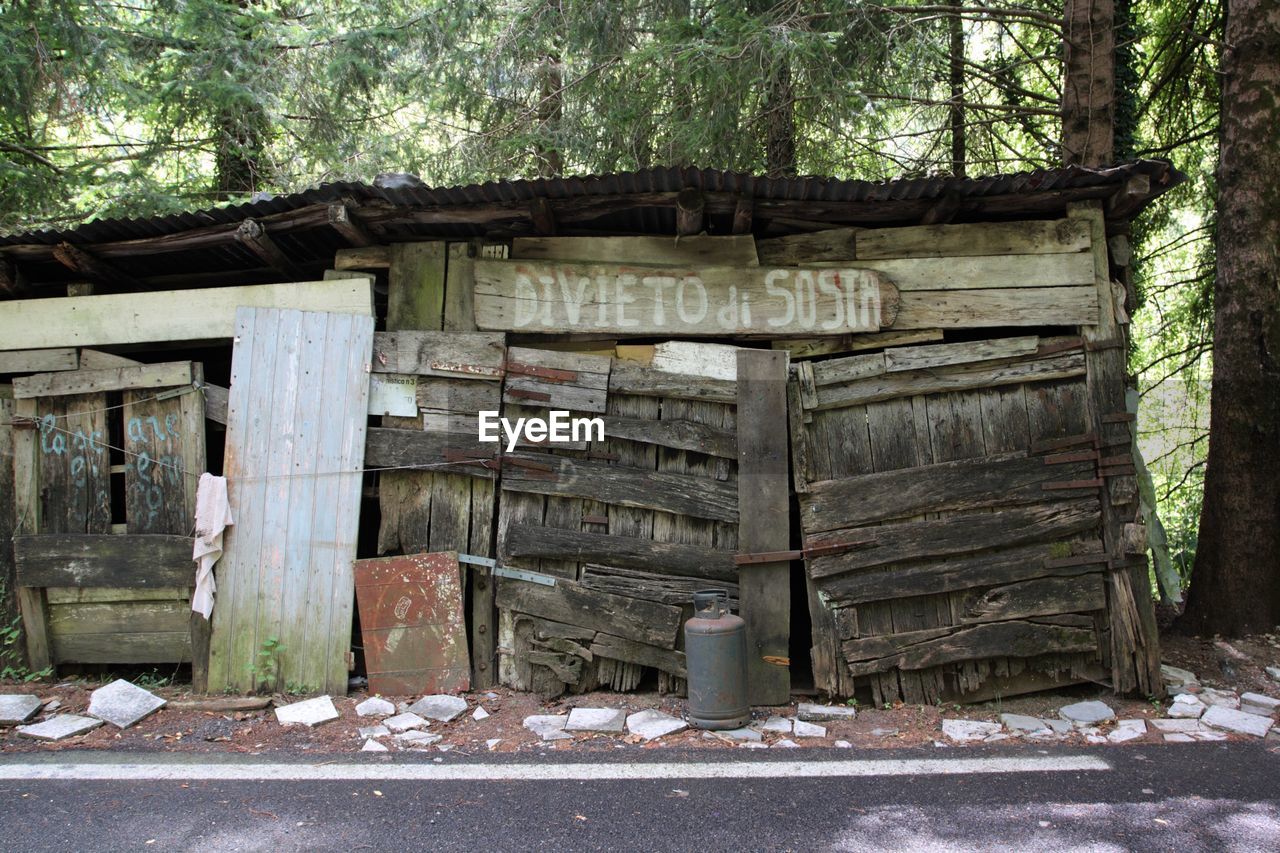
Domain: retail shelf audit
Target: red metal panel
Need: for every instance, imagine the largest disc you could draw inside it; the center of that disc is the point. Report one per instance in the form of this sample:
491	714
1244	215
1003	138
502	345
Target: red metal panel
415	637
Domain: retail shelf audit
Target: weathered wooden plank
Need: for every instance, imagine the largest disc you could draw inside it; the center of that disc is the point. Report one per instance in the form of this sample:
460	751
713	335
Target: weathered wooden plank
39	360
940	355
534	296
106	594
997	639
434	451
93	359
123	648
730	251
637	379
415	294
449	354
986	238
959	534
620	648
484	625
27	512
764	588
813	347
950	574
663	588
148	376
961	377
556	380
676	434
215	402
569	602
12	654
832	244
985	272
1009	306
671	558
103	560
296	521
1039	597
962	485
74	468
118	617
624	486
164	443
170	315
363	258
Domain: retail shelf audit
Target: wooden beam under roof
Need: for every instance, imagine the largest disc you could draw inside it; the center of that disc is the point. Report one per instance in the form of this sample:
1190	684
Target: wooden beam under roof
743	212
690	212
544	219
253	236
344	220
93	268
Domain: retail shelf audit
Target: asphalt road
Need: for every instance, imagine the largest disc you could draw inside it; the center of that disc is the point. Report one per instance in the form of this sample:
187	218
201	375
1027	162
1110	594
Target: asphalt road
1183	797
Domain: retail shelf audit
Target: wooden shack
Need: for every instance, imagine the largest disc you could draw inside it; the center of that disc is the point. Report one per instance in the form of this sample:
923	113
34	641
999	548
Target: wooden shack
887	418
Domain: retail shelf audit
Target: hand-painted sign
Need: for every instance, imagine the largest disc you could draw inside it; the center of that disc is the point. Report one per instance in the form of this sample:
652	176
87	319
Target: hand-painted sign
535	296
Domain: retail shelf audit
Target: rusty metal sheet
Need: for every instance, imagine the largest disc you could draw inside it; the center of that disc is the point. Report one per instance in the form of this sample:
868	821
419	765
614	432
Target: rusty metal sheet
415	636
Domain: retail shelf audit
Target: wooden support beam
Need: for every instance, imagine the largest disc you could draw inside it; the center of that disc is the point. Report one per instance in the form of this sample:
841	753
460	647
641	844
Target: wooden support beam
82	263
544	219
765	588
743	211
39	360
344	221
690	211
147	376
253	236
366	258
942	211
9	279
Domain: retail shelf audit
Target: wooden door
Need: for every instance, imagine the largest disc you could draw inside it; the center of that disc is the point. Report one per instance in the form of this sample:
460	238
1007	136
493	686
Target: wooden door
949	500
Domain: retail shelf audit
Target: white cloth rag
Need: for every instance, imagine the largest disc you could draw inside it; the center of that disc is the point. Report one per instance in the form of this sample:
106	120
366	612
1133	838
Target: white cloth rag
213	516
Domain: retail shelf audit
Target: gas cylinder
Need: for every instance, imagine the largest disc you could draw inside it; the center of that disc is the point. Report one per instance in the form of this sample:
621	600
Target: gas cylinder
715	648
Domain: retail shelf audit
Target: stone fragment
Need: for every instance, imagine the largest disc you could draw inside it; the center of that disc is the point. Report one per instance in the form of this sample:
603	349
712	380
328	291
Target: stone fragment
1122	735
445	747
966	731
54	704
1061	727
308	712
997	737
786	743
1220	698
492	743
751	744
439	707
375	706
1208	735
18	708
480	714
814	713
122	703
650	724
609	720
59	727
373	731
842	744
1179	737
1135	724
804	728
1177	676
1023	723
1186	706
404	722
372	745
884	732
1257	703
1177	725
741	734
548	726
218	704
415	738
1274	672
1230	720
1087	713
776	725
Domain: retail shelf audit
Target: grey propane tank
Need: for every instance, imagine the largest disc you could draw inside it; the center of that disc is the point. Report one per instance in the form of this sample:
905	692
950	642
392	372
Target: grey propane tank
715	648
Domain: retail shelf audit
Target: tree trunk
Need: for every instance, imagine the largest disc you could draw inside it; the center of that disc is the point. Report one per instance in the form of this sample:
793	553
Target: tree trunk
550	111
955	29
780	123
1089	83
1235	585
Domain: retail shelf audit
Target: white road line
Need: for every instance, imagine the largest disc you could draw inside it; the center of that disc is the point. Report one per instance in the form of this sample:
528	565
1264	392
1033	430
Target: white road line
155	772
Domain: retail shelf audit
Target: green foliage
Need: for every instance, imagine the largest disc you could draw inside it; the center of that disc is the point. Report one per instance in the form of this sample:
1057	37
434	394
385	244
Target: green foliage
265	668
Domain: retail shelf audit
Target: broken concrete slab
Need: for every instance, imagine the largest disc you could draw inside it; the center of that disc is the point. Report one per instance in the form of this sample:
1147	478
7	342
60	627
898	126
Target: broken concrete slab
842	744
1176	725
1222	698
1123	735
219	704
373	746
607	720
814	713
439	707
480	714
1209	735
776	725
1138	725
1186	706
1087	713
309	712
373	731
741	734
1177	676
375	706
18	708
548	726
1258	703
751	744
786	743
1178	737
650	724
404	722
415	738
803	728
966	731
122	703
1059	727
997	737
1023	723
60	727
492	743
1230	720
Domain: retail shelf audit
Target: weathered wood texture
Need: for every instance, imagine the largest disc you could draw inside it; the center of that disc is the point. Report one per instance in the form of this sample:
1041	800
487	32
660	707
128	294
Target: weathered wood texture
149	376
12	654
39	360
177	315
936	529
143	561
295	446
737	251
